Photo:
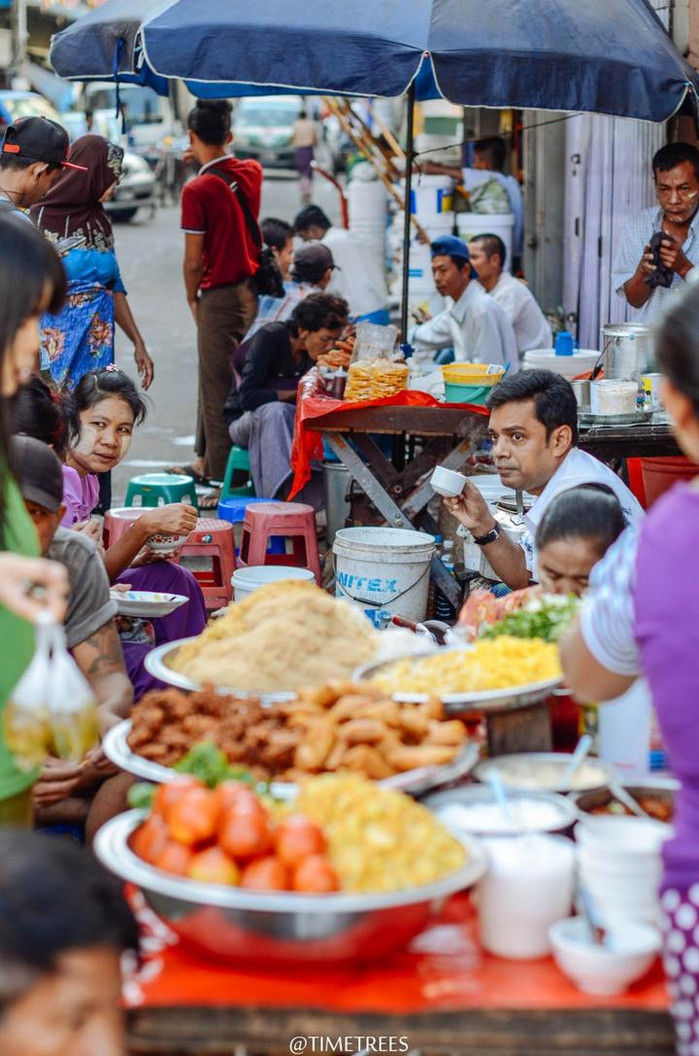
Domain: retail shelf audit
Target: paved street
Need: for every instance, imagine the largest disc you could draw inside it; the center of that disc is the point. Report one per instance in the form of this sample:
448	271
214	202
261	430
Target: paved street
150	257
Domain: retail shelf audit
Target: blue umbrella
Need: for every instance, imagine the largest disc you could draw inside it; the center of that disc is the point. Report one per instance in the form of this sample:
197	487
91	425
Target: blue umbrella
604	56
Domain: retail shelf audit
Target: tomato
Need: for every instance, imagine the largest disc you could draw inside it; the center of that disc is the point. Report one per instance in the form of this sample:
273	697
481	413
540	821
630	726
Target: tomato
149	839
193	818
297	837
174	858
265	874
234	794
315	875
167	795
213	867
245	835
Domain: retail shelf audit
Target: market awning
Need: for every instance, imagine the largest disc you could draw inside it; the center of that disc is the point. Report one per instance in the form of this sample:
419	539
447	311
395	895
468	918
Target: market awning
604	56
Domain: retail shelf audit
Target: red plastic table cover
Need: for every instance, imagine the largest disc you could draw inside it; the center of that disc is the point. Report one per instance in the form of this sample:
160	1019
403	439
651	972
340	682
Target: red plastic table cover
445	969
308	443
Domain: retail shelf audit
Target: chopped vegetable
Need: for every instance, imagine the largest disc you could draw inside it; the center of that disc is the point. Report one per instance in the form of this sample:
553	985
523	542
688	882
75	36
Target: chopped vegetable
546	617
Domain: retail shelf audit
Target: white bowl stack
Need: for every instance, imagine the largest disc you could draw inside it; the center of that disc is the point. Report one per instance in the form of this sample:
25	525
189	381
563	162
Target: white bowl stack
620	867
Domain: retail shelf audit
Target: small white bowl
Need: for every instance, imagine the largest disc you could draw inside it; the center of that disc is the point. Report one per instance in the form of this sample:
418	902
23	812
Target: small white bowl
166	544
447	482
628	953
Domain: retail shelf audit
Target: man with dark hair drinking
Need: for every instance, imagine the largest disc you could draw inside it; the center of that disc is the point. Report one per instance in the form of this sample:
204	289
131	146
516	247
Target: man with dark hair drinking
534	429
660	246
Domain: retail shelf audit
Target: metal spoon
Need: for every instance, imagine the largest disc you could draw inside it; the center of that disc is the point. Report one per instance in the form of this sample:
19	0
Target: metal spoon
625	799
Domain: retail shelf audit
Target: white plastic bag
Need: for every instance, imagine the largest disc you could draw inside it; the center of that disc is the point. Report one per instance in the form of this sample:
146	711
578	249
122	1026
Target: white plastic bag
72	706
52	709
27	726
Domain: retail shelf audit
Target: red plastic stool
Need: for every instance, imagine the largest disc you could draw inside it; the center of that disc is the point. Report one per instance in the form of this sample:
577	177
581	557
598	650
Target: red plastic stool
293	521
213	541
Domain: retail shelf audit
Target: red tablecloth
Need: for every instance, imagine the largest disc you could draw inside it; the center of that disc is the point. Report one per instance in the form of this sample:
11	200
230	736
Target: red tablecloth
308	444
445	970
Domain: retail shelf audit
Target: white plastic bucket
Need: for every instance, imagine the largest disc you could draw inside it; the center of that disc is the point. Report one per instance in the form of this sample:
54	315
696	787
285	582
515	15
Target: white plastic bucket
501	224
245	581
385	571
430	195
581	362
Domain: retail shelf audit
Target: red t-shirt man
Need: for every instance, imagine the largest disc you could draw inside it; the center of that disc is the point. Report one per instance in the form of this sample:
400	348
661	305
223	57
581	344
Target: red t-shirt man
212	209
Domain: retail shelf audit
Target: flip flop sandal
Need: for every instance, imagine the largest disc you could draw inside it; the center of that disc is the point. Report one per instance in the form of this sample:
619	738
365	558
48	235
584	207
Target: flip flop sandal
209	502
189	471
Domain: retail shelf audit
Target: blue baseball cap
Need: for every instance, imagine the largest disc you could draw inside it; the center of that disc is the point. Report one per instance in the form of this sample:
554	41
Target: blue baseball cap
451	246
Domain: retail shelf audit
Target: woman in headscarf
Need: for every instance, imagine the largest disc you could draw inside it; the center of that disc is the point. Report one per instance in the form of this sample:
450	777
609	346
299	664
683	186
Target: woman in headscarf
81	337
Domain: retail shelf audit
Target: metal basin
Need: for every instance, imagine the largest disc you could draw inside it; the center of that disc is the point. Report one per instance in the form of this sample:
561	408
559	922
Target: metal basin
281	928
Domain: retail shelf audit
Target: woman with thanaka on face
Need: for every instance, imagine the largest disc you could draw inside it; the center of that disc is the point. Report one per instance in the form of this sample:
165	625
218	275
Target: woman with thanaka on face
106	409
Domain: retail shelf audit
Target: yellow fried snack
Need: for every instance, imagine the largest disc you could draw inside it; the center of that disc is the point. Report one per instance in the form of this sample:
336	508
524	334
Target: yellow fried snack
375	378
498	663
379	839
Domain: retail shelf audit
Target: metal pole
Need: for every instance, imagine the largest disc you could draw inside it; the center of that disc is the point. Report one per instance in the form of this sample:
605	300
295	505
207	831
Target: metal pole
406	215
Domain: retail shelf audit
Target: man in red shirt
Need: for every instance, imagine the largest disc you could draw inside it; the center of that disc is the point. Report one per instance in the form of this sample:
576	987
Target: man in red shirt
221	255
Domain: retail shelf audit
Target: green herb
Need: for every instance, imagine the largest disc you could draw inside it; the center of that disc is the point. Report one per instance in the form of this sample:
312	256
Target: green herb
140	796
211	765
546	617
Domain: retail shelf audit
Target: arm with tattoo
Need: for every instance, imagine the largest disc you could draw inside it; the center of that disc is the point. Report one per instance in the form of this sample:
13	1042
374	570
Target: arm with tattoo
101	661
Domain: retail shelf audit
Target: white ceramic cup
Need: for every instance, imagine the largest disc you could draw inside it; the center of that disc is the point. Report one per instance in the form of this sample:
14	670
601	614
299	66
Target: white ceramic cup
528	887
447	482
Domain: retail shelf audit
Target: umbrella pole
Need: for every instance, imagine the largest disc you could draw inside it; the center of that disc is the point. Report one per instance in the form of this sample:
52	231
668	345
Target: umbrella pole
406	213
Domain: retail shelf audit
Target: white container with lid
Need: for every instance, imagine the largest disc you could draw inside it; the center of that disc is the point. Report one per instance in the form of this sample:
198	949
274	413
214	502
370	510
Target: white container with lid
613	397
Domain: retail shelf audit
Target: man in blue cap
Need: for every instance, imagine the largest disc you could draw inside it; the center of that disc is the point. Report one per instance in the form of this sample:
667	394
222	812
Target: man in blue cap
473	324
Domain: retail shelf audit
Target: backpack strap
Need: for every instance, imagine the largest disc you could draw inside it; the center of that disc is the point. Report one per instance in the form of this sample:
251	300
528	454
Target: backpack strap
235	188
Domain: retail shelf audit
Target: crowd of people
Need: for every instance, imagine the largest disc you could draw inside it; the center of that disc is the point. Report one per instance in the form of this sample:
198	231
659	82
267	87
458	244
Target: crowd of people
67	418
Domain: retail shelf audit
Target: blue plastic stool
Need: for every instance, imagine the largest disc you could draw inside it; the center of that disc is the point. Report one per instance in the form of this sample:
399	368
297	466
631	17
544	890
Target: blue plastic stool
233	510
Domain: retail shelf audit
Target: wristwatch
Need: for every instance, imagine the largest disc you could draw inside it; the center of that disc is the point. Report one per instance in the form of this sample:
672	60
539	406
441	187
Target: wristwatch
492	535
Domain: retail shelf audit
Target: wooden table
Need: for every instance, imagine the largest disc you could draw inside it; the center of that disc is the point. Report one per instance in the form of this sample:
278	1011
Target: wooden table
639	441
565	1032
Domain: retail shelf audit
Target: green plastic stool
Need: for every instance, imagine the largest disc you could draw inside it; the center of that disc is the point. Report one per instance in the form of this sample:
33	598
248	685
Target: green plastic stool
156	489
239	458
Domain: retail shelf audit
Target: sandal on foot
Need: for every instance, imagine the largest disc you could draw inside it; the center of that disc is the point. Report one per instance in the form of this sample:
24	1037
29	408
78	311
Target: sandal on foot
189	471
209	502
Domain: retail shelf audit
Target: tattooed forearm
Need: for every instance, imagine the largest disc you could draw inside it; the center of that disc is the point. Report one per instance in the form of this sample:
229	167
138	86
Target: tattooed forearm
100	654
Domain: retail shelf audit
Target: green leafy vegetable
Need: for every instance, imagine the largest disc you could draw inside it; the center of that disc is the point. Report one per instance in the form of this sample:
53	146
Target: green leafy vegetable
140	796
546	617
211	765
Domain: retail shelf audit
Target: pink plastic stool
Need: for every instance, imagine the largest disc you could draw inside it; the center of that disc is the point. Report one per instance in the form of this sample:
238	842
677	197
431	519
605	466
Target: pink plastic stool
291	520
117	522
212	540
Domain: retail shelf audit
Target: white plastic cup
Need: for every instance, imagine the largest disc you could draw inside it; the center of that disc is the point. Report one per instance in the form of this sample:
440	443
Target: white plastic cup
528	887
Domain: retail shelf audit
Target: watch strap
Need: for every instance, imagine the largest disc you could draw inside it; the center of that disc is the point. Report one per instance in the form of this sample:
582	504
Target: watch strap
489	537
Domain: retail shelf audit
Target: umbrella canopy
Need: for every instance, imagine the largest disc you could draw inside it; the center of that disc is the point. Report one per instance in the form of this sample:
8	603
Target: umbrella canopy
605	56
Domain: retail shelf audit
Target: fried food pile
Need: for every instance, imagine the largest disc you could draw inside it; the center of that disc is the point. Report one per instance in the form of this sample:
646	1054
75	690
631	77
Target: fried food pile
373	379
378	839
357	728
284	636
338	356
500	663
342	727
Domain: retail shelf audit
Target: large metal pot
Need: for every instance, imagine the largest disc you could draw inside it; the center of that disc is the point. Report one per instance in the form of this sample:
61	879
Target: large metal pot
628	350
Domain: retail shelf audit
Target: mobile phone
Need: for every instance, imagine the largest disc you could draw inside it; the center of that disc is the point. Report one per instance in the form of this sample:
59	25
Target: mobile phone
64	245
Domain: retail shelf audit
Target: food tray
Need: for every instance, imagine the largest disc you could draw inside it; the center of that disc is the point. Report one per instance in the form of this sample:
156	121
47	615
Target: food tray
156	663
587	418
414	782
282	927
504	764
456	704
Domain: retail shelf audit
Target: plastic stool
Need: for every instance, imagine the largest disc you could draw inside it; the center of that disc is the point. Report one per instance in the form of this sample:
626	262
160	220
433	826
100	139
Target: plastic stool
117	523
289	520
212	539
160	489
233	510
238	458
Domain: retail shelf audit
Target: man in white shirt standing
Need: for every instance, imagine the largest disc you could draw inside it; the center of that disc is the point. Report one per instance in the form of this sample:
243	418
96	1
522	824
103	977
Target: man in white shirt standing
359	277
534	429
474	326
529	323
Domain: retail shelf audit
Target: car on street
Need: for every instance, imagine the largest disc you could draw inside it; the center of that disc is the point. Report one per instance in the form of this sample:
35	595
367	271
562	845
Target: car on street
263	128
136	190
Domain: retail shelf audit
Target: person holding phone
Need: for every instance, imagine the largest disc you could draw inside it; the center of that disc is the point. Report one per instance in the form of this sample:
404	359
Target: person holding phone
72	216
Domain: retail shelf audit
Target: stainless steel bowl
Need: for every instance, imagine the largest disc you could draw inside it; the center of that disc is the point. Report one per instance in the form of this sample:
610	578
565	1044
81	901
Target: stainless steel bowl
456	704
526	772
460	809
414	782
157	664
663	789
281	928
